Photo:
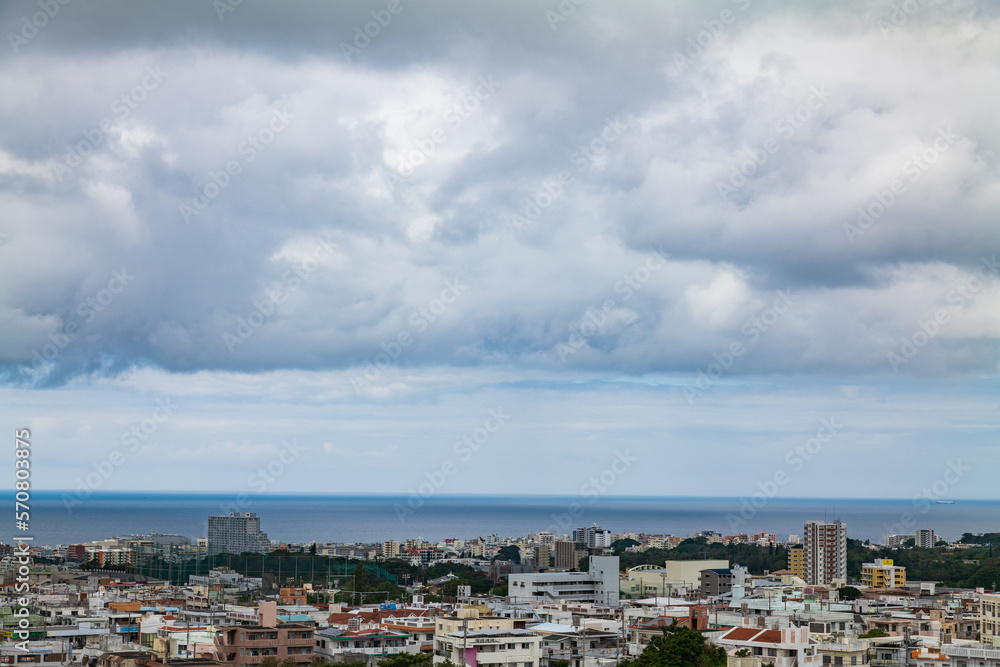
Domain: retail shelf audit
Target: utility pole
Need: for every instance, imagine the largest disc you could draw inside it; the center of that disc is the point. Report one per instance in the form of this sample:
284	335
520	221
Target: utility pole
465	640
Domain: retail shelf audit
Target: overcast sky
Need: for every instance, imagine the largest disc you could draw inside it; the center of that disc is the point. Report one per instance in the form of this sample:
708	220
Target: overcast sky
678	234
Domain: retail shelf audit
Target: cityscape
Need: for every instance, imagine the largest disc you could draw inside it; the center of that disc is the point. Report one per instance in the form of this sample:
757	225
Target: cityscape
531	333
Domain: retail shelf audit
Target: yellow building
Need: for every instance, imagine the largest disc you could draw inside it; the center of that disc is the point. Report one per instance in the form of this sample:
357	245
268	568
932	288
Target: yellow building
797	561
883	574
990	618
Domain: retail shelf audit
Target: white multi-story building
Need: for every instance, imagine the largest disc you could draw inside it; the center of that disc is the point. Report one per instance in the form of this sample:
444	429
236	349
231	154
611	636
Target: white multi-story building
989	618
490	648
896	541
235	534
598	585
953	655
784	647
825	552
335	644
594	537
924	538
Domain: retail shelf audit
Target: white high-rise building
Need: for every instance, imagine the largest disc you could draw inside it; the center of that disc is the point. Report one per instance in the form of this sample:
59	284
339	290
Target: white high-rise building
825	552
925	539
896	541
235	534
594	537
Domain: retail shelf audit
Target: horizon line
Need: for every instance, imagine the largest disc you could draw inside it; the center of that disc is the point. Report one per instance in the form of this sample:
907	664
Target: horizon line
373	494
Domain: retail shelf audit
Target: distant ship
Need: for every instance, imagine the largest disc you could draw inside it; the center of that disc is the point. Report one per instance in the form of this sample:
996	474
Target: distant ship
946	502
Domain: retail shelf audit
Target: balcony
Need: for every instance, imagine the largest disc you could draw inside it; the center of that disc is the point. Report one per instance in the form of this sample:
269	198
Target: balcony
885	663
257	643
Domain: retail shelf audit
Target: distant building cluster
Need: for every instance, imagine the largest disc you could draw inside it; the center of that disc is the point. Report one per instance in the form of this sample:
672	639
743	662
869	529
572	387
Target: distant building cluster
121	602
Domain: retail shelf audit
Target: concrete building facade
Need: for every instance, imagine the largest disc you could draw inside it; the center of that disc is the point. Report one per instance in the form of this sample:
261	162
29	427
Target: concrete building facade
598	585
989	605
883	574
924	538
235	534
825	552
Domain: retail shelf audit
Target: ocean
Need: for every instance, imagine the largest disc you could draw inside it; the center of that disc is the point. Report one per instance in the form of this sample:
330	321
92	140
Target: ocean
58	518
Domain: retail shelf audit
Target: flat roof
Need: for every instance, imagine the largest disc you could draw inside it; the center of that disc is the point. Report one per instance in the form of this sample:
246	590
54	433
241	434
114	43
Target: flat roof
516	632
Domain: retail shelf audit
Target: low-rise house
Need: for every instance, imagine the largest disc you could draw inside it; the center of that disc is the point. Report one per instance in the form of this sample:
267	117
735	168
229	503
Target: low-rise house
784	647
489	648
844	653
345	645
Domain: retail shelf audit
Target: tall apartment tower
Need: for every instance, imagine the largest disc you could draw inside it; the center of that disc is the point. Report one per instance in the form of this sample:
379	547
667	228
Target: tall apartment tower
593	537
235	534
925	539
825	552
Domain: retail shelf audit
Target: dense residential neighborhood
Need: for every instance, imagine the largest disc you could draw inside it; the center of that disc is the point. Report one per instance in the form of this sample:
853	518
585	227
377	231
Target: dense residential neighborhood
587	598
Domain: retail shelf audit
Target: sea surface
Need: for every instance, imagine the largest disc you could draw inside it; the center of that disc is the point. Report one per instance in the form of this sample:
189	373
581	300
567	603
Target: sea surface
64	518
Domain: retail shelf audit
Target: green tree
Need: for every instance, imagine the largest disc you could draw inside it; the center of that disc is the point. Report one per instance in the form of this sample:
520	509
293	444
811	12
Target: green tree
849	593
619	546
679	646
269	661
874	632
511	552
407	660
